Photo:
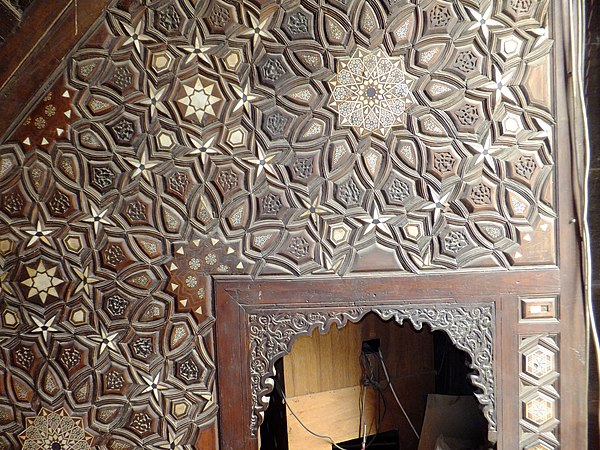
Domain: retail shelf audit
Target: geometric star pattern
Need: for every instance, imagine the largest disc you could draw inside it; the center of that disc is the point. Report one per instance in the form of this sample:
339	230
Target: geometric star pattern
55	431
182	142
200	99
539	391
370	91
42	282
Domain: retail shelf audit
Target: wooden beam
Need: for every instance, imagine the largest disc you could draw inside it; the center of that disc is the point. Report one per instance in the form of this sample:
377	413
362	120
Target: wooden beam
34	52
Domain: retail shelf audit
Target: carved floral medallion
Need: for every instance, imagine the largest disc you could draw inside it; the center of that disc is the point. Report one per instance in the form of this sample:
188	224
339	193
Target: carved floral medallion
370	91
54	431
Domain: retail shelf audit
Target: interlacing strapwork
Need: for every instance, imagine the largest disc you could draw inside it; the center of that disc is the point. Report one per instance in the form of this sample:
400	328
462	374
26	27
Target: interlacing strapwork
188	139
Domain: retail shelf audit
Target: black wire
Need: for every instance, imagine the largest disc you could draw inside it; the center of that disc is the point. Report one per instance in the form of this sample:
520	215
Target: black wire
361	405
369	379
375	382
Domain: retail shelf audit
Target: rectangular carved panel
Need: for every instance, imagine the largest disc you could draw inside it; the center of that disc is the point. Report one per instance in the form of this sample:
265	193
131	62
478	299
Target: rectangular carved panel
539	309
539	395
183	140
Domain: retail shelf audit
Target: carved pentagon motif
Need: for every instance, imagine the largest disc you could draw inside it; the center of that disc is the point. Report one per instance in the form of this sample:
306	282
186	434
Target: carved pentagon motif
143	422
123	130
220	16
115	256
298	23
273	70
122	77
277	123
440	17
169	19
443	161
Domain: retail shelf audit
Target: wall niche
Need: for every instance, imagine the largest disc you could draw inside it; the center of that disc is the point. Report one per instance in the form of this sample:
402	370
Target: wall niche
337	387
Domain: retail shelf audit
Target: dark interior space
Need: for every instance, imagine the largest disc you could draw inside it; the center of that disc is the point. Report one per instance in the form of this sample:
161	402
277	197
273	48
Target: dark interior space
444	367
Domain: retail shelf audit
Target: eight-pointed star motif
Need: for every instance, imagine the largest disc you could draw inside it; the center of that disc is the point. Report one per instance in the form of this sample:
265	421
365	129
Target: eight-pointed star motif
200	99
370	92
42	282
157	95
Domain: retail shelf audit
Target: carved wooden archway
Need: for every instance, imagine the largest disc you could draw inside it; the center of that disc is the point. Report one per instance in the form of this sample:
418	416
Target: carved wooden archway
259	321
181	141
470	328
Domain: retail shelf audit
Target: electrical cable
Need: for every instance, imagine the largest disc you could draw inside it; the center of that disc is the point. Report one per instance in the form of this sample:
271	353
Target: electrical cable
387	377
368	378
370	381
579	109
581	45
362	417
581	164
377	387
320	436
360	408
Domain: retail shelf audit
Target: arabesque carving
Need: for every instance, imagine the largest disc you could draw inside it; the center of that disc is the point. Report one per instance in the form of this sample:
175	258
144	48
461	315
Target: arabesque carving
183	140
471	328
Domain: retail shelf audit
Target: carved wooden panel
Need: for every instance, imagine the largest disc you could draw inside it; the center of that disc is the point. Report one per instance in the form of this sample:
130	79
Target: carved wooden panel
470	328
187	139
540	309
539	393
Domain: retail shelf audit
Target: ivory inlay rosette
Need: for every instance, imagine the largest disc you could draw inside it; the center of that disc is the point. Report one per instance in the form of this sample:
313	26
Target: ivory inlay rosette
370	91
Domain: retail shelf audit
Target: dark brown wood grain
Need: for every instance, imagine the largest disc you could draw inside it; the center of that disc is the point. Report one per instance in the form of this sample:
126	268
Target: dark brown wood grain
35	51
234	296
53	28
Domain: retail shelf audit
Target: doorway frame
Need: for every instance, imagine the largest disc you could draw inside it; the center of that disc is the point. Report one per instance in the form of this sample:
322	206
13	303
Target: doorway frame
240	302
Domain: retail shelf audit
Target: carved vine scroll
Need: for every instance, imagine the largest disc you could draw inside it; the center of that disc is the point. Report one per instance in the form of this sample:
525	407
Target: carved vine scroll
470	327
